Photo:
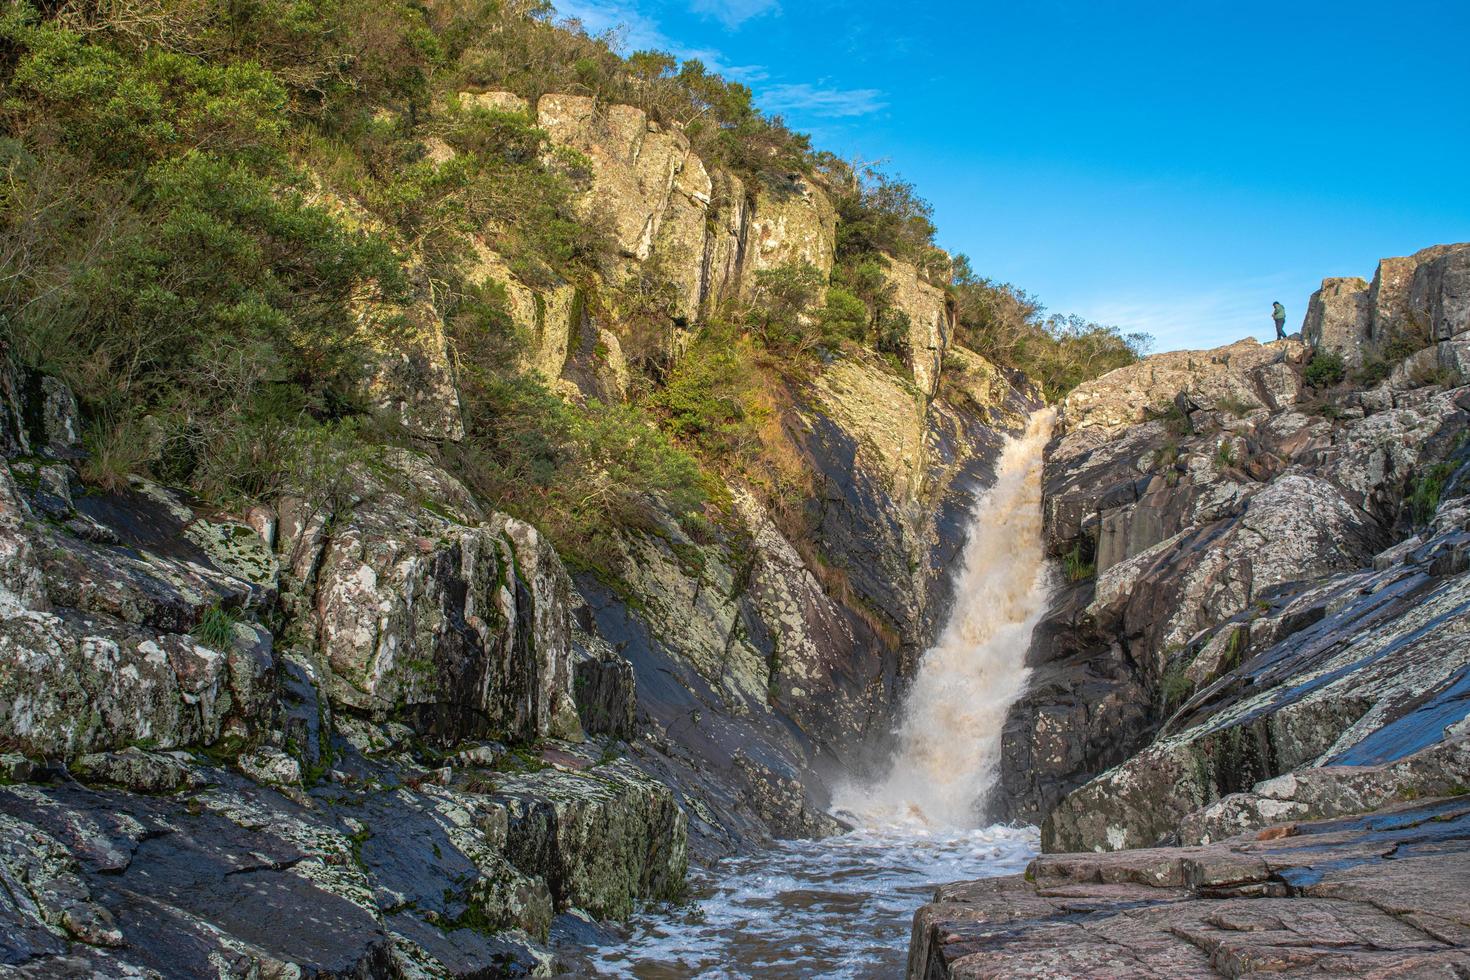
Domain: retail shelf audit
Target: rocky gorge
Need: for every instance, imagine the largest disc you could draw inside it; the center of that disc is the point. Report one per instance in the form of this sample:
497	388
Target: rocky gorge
477	503
389	733
1244	733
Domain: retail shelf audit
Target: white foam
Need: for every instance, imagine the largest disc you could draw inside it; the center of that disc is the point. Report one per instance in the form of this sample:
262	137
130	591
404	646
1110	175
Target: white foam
842	908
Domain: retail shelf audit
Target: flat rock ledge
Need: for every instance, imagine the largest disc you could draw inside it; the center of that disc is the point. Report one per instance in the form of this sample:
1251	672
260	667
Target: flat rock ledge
1378	895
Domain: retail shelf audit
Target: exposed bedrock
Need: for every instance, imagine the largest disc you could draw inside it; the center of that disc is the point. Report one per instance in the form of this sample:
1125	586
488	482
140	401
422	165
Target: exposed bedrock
1371	896
397	708
1237	540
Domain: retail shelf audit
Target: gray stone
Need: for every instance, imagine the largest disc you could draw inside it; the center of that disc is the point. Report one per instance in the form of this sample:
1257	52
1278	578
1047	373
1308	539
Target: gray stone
1339	319
1369	897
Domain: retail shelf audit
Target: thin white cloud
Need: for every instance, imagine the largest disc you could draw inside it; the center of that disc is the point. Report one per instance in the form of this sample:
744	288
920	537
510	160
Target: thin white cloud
733	13
633	30
1202	319
817	101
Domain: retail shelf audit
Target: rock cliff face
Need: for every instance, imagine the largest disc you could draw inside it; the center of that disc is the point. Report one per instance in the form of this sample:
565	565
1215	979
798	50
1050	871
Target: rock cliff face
1269	623
394	707
702	230
1426	294
316	702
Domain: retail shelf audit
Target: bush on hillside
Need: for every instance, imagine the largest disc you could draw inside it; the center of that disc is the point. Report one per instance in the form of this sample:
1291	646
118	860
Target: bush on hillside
1006	325
1325	369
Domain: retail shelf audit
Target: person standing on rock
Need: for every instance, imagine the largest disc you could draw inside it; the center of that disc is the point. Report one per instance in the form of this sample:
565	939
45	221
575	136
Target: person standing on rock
1278	313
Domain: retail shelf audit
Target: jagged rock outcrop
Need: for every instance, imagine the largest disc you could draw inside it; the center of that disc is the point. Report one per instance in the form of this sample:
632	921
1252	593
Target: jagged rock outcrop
1425	294
703	231
931	322
1364	897
1223	508
1339	319
95	644
707	231
458	623
183	771
791	223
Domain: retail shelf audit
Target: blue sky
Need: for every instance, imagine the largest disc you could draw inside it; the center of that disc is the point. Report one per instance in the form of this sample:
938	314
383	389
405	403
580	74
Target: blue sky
1169	167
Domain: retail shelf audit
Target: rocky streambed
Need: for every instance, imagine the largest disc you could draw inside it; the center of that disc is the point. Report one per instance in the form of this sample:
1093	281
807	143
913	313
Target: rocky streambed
840	907
392	736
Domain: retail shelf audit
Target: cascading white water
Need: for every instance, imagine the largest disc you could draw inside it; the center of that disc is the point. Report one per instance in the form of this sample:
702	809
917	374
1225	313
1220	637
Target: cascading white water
949	739
840	908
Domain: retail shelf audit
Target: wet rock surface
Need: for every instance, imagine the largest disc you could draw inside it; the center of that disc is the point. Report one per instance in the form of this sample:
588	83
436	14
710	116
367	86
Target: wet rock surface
1375	895
386	868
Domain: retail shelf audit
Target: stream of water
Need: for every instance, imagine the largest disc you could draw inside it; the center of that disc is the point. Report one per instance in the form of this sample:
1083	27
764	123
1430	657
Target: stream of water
843	907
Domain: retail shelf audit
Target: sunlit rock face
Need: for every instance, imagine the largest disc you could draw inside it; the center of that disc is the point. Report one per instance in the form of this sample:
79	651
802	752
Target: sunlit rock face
931	323
791	223
1363	896
1424	296
1339	319
1267	578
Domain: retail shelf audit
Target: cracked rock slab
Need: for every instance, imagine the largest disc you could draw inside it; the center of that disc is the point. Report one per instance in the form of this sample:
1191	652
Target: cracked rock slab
1369	896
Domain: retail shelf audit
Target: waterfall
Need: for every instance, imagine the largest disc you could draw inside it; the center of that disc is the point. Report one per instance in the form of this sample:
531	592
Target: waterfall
948	746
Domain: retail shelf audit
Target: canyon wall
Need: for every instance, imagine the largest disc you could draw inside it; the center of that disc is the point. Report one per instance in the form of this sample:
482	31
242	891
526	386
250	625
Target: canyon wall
394	706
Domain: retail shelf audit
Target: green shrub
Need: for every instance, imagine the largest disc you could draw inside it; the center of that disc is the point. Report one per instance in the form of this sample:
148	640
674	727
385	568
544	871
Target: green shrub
1426	490
164	261
580	474
216	628
1325	369
726	401
1176	420
778	315
1175	687
1166	458
1076	566
844	317
1374	370
1225	455
1007	326
1238	407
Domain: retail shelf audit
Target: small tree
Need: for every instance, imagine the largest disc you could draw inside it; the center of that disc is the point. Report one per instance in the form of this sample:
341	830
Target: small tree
783	296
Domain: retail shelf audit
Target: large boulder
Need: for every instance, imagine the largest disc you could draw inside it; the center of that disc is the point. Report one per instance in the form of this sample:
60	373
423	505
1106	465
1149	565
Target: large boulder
1339	319
117	629
458	623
